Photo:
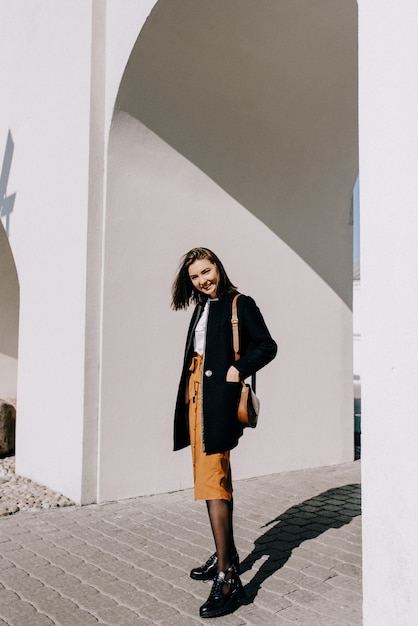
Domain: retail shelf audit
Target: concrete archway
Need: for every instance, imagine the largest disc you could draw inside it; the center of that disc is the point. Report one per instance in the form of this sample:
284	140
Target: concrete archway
263	99
236	128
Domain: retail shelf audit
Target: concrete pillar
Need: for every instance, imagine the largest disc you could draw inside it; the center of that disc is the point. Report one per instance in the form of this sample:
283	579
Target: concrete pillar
46	103
64	65
389	270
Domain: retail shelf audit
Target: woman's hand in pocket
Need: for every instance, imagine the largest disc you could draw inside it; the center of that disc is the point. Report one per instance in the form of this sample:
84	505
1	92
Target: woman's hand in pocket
232	375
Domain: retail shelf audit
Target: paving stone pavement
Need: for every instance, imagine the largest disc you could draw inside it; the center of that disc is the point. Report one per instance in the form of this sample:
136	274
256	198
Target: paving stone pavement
123	563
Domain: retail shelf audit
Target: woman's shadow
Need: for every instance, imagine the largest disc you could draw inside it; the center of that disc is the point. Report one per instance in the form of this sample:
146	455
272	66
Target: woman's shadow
331	509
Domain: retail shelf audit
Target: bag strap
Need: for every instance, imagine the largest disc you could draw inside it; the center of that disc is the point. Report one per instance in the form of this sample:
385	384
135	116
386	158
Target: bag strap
234	322
235	334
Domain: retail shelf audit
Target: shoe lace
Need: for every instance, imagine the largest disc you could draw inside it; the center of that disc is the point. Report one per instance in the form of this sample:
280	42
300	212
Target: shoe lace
212	560
221	580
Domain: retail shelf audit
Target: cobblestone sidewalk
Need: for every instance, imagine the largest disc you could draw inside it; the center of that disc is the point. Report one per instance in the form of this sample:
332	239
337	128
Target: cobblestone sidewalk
298	534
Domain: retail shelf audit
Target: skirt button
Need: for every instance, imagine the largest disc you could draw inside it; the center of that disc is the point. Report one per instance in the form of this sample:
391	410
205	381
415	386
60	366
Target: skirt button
208	373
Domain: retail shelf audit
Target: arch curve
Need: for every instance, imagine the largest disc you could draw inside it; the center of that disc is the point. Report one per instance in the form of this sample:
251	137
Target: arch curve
235	128
262	97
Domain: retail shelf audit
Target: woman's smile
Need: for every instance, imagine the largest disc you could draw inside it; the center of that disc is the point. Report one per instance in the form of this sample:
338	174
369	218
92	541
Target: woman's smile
204	276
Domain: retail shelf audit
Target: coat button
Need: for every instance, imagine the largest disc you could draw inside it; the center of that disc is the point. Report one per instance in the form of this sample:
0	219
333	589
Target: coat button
208	373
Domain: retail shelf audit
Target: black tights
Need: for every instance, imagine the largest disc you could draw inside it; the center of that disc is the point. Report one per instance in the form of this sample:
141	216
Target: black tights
220	515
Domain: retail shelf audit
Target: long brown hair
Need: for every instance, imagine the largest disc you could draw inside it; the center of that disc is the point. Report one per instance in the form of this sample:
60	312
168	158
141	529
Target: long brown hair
183	292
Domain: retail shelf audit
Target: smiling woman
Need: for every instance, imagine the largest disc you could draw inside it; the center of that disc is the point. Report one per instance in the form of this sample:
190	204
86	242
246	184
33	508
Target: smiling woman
204	276
206	409
200	270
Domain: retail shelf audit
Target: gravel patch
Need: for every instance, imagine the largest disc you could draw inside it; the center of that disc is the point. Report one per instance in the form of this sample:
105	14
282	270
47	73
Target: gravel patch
22	494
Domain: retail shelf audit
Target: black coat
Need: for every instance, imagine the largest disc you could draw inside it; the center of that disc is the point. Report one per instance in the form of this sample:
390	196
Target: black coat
221	429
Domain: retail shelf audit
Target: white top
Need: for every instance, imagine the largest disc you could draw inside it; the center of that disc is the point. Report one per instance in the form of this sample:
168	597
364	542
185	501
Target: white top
200	330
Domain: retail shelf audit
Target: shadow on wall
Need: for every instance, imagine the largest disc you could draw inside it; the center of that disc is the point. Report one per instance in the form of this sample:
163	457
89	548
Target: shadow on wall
331	509
7	202
9	283
262	97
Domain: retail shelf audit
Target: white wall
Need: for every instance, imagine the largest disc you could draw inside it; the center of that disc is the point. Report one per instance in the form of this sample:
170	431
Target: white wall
124	21
46	105
389	225
262	97
57	100
58	103
159	206
288	168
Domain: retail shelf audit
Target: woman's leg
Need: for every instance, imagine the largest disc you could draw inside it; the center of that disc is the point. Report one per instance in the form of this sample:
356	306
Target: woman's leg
231	511
220	515
227	589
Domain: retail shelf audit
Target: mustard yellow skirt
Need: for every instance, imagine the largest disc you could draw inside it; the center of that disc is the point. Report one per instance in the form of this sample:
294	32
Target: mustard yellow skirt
211	472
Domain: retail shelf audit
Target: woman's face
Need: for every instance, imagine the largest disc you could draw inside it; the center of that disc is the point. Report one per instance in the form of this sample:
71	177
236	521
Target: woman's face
205	277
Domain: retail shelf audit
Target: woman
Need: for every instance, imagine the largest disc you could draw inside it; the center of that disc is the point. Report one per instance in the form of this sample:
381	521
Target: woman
206	408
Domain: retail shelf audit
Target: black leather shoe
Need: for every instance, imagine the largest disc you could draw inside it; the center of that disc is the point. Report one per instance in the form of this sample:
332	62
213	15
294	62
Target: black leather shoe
220	603
206	571
209	570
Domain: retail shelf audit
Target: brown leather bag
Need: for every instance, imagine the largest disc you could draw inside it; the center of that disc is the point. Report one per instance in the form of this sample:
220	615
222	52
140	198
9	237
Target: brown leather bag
249	404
